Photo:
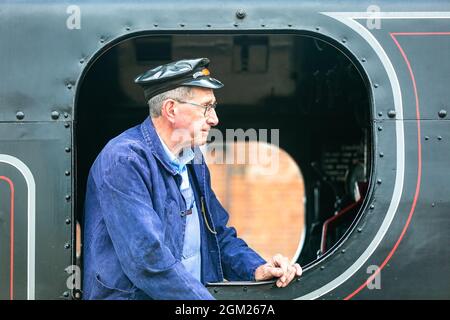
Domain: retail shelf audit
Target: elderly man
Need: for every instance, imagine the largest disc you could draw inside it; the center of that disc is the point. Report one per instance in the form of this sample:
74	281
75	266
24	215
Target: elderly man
154	228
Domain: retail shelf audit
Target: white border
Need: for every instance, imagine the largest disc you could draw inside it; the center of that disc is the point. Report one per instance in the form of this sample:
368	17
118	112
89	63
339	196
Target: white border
348	19
31	211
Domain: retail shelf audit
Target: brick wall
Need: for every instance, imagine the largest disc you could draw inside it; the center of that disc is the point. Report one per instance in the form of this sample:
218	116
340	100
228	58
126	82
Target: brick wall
264	200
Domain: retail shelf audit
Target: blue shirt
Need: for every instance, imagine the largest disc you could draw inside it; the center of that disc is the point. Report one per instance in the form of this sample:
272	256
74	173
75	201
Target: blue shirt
191	258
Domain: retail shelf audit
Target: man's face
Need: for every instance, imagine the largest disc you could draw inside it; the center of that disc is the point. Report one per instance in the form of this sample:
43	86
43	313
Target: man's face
191	124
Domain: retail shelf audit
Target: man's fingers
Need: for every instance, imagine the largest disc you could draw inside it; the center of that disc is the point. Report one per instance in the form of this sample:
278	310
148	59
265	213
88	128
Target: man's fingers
298	269
283	263
273	272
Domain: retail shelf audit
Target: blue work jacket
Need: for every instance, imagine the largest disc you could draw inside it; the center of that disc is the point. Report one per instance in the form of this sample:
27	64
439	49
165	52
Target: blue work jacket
134	225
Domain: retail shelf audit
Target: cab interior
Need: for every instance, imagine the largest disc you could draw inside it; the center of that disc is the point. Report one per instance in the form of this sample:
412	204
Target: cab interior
302	85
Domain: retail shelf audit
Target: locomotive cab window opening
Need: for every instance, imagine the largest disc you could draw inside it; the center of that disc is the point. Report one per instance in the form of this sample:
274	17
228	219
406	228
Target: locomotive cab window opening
300	87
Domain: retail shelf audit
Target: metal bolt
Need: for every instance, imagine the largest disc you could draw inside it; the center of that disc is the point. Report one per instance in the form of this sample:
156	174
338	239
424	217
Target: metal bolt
55	115
359	229
66	294
289	25
343	250
66	115
322	267
379	181
102	40
155	24
433	204
67	149
67	196
67	173
427	137
380	114
240	14
263	25
363	60
372	206
81	61
77	295
442	113
67	124
439	137
380	128
67	246
344	40
317	28
376	85
381	154
391	114
182	24
68	221
69	86
127	28
236	25
208	25
20	115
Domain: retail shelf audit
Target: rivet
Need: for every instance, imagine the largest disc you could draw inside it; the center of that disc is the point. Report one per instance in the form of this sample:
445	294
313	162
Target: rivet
240	14
20	115
359	229
344	40
182	24
55	115
236	25
67	246
391	113
442	113
381	154
66	124
155	24
68	221
81	61
67	197
317	28
127	28
343	250
379	181
322	267
363	59
66	115
216	290
67	173
427	137
376	85
263	25
439	137
289	25
380	128
66	294
208	25
77	295
67	149
69	86
102	40
372	206
433	204
380	114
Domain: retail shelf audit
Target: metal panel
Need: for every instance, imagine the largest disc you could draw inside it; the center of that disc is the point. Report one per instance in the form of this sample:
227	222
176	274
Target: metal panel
33	160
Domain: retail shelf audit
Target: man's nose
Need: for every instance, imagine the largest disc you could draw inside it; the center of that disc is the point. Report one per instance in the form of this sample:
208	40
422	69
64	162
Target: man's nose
213	118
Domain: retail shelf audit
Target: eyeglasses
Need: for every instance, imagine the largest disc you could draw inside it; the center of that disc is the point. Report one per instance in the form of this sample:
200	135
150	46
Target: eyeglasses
207	108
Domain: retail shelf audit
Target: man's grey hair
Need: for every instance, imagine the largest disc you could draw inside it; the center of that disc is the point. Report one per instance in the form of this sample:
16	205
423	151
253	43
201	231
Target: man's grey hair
155	103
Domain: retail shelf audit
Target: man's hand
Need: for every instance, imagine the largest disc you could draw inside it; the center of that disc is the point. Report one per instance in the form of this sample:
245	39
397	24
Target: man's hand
278	267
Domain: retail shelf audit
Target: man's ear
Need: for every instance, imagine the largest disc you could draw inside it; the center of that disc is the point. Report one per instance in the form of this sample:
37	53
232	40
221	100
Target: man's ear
168	110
